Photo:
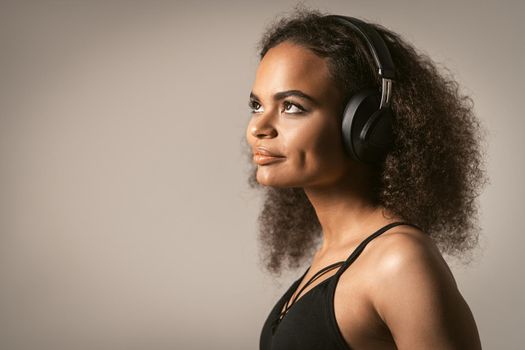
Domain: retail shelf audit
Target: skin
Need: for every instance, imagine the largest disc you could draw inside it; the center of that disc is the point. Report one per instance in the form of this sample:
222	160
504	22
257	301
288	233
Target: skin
400	292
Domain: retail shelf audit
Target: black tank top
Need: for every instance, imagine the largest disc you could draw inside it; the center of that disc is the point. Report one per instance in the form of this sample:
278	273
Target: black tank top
310	323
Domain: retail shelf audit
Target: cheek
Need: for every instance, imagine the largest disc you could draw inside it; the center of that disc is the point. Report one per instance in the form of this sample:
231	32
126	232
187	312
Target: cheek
316	147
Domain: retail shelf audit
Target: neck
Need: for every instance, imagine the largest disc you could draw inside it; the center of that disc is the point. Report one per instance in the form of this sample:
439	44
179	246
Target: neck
346	212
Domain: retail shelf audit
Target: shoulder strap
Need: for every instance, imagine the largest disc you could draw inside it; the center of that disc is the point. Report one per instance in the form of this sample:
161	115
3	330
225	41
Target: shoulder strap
363	244
313	278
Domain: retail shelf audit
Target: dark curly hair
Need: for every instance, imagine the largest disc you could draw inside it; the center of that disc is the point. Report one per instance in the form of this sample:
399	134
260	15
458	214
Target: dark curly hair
432	175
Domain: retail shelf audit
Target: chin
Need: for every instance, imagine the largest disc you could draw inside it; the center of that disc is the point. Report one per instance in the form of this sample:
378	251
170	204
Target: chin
274	183
267	179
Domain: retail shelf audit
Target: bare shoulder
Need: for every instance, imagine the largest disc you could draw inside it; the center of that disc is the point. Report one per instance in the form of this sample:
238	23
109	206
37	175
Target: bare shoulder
416	296
406	250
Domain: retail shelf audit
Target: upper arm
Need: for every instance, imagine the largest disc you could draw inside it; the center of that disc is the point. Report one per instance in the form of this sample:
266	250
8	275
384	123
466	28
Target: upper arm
416	296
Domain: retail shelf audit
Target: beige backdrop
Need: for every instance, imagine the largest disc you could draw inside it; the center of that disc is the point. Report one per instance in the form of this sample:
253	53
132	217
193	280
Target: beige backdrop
125	217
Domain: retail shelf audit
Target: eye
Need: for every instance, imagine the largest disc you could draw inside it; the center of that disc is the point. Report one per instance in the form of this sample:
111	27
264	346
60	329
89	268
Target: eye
289	108
254	106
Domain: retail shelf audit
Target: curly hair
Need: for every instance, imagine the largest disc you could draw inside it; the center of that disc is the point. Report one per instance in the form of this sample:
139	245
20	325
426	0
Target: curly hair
432	175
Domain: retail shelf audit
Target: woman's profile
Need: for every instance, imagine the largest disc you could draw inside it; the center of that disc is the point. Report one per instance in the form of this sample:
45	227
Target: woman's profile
370	162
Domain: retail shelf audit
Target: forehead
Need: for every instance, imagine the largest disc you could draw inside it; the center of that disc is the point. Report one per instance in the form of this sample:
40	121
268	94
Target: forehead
289	66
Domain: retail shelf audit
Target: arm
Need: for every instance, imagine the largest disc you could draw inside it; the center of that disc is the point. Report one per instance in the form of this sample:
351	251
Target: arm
417	298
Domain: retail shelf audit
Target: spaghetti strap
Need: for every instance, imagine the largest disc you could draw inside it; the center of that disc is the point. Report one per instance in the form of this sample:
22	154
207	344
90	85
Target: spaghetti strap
290	302
312	279
357	251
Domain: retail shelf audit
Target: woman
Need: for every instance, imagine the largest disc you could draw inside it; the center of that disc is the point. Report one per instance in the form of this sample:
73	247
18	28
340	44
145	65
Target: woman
406	196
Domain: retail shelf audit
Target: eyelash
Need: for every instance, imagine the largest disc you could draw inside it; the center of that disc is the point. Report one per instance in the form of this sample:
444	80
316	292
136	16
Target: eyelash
286	103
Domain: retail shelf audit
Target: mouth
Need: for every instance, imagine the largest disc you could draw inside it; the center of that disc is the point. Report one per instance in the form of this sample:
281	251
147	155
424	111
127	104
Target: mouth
263	159
262	156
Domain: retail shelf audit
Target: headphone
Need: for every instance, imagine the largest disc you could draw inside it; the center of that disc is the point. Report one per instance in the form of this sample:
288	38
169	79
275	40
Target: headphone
367	117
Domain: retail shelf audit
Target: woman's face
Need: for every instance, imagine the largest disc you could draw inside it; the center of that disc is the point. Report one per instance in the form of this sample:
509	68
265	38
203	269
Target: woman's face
296	109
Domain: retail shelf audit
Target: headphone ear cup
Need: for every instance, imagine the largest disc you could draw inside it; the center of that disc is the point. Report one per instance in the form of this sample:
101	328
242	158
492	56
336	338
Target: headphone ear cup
377	136
357	113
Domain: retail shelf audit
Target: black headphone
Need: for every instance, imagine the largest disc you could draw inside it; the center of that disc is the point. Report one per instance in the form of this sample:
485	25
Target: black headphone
367	118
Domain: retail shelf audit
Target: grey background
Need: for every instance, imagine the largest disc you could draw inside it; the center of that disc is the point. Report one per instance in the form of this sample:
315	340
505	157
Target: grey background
125	217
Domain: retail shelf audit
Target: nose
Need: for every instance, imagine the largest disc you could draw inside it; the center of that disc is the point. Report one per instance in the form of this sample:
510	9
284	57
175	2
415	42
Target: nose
262	126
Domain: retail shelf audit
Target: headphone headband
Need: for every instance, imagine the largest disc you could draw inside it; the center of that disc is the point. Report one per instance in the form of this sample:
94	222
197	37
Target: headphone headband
375	43
379	50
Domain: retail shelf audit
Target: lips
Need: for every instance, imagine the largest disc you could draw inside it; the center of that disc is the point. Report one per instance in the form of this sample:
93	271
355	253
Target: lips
266	152
263	156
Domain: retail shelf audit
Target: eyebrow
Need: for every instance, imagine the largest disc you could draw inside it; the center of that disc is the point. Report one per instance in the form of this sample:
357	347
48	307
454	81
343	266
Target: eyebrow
283	94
